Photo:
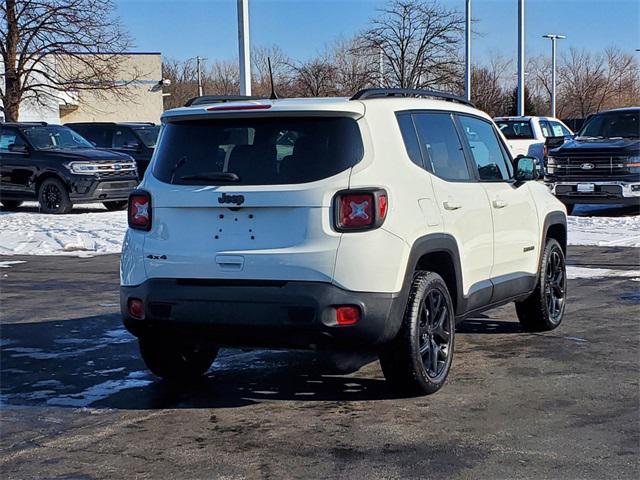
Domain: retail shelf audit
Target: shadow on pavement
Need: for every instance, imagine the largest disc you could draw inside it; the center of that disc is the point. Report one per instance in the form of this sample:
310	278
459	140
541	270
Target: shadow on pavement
606	210
94	362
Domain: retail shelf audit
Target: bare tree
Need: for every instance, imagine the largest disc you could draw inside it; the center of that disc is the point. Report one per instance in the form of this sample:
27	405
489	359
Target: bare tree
419	42
223	78
182	75
280	62
314	78
489	82
353	70
53	46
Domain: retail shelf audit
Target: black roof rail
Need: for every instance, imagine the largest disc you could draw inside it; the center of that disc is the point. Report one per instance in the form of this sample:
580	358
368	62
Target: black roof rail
206	99
408	92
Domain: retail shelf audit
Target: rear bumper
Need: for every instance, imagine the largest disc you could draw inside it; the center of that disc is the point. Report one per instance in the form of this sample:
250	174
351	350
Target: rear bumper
264	314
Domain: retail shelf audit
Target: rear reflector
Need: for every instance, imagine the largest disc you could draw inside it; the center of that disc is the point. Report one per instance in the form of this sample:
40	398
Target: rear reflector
347	315
139	210
259	106
135	307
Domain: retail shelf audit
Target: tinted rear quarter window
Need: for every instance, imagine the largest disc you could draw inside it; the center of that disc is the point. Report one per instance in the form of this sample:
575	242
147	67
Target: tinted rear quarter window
410	138
440	141
260	151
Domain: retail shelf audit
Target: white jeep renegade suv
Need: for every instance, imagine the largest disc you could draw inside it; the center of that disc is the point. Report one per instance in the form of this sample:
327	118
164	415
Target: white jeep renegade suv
364	225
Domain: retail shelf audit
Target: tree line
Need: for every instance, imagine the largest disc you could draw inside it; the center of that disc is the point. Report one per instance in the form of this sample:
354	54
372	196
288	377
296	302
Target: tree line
419	44
50	47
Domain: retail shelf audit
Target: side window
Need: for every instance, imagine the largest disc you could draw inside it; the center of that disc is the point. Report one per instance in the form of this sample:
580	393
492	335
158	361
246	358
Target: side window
9	137
558	129
441	144
100	136
124	138
546	129
487	152
410	139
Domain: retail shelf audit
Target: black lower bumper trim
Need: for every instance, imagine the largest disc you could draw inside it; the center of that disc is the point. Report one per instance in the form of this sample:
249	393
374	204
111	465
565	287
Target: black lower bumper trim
263	314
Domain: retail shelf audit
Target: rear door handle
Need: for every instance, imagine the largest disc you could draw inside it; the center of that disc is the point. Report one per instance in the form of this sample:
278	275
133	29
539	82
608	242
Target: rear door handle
451	205
498	203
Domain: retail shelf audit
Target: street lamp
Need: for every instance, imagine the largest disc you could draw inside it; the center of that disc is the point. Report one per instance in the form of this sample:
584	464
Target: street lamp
553	37
467	52
244	47
520	58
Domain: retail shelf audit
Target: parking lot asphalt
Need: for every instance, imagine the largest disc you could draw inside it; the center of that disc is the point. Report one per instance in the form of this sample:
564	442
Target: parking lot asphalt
78	403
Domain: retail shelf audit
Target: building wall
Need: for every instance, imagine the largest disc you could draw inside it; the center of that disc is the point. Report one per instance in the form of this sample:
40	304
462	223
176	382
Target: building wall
137	103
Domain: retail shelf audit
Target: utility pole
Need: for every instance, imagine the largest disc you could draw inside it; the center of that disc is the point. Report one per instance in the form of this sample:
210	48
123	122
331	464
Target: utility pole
244	47
521	57
467	53
199	74
554	37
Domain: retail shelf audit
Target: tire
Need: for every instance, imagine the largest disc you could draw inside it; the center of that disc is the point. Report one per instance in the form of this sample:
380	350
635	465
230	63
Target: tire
544	309
408	362
570	207
11	205
174	360
115	206
54	197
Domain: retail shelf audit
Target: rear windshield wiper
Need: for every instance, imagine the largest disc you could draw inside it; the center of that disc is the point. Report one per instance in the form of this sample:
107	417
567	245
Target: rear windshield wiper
215	176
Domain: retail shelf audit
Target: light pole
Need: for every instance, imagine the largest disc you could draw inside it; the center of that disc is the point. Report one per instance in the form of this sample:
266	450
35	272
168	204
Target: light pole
520	57
244	47
199	74
553	37
467	52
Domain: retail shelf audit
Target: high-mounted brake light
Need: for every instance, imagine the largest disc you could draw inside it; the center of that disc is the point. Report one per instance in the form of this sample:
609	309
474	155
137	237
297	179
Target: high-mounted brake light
139	210
360	209
231	106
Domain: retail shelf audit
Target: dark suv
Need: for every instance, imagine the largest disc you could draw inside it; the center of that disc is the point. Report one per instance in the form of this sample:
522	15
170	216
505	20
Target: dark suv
57	167
135	139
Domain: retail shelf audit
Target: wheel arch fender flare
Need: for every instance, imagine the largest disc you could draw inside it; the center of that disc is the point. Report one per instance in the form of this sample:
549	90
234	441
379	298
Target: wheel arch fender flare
45	175
555	225
437	243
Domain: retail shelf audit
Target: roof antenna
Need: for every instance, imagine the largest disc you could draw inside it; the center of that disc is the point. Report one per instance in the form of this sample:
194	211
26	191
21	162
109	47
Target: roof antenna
274	95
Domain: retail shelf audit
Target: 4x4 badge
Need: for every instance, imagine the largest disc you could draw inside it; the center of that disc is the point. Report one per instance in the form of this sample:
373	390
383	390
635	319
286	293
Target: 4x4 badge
235	199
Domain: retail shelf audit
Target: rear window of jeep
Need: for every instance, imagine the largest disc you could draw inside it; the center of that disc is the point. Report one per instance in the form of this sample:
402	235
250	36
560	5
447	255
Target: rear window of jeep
256	151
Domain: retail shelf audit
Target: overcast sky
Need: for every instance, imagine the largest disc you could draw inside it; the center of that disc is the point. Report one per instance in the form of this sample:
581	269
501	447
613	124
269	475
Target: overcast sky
186	28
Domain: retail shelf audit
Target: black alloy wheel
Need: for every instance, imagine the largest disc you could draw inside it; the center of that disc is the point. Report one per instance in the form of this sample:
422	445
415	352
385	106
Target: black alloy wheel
434	331
544	309
53	197
555	285
418	360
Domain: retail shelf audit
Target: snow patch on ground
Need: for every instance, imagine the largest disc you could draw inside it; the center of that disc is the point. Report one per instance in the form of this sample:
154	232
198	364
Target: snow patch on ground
582	272
101	391
604	231
88	230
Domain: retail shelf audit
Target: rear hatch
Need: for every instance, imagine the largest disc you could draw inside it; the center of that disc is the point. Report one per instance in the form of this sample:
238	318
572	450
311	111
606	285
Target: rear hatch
248	198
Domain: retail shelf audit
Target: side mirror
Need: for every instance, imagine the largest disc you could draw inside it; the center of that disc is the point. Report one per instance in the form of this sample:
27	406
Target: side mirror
526	168
21	149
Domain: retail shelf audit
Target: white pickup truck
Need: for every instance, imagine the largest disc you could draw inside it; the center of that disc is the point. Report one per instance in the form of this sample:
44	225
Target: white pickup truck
526	135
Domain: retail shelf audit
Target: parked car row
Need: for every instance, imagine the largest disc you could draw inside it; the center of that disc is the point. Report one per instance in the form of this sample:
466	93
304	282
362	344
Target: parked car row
59	166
